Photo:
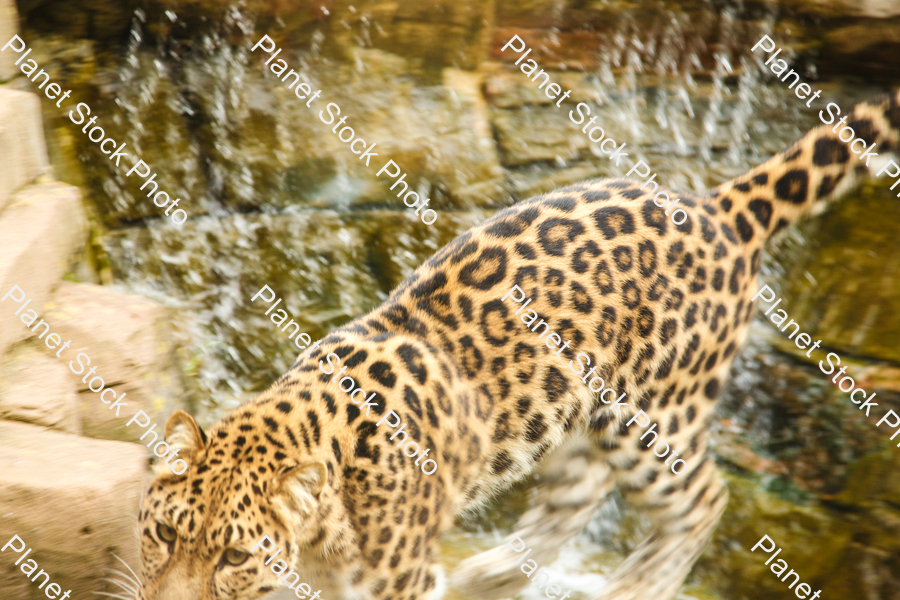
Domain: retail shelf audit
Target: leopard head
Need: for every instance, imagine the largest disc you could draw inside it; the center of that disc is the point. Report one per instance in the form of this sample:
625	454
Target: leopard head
207	533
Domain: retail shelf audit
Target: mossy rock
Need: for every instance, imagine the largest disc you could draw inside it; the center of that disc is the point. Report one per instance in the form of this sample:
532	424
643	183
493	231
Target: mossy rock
843	285
813	542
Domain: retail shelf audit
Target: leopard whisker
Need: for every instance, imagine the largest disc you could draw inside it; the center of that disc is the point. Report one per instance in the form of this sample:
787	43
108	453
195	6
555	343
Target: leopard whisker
137	579
125	576
127	588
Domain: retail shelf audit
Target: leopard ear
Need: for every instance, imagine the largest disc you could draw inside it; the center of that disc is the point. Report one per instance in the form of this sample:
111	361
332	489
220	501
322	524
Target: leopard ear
183	434
299	487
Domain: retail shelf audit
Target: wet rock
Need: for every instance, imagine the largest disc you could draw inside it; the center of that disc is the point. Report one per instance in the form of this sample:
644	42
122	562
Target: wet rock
152	122
535	179
287	155
872	484
586	35
445	33
797	439
43	227
858	38
480	182
72	500
873	9
127	338
530	135
38	389
842	285
399	244
439	135
865	41
105	21
209	270
846	548
783	418
510	87
73	65
329	268
530	130
551	49
814	544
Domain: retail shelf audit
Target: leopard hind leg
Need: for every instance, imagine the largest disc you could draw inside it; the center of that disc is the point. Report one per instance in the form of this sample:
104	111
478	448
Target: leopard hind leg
573	482
684	510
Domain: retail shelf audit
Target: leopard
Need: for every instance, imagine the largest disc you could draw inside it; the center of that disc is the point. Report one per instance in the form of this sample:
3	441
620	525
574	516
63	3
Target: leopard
660	309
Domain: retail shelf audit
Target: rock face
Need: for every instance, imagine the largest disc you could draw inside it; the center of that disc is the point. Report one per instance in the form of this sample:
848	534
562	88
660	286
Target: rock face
43	227
8	27
854	267
36	388
73	500
22	149
872	9
311	260
822	467
127	338
392	83
288	156
279	200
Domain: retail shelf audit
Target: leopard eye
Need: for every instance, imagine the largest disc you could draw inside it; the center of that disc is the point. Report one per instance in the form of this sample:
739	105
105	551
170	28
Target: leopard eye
234	557
166	533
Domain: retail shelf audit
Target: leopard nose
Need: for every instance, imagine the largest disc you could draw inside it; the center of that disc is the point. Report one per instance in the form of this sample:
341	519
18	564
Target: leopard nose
180	584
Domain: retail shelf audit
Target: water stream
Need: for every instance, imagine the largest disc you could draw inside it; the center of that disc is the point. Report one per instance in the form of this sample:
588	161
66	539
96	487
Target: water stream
278	201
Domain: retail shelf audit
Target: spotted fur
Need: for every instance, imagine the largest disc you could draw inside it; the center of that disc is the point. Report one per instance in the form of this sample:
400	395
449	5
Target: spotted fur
660	308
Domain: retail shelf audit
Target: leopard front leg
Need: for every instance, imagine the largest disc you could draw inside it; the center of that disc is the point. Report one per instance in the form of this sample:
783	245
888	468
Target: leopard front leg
404	568
397	527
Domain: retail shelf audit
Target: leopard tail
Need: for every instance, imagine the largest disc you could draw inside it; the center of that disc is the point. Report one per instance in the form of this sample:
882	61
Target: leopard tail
818	168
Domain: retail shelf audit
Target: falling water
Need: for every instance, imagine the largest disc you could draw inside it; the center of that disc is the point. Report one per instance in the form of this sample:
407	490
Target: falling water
276	200
237	148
